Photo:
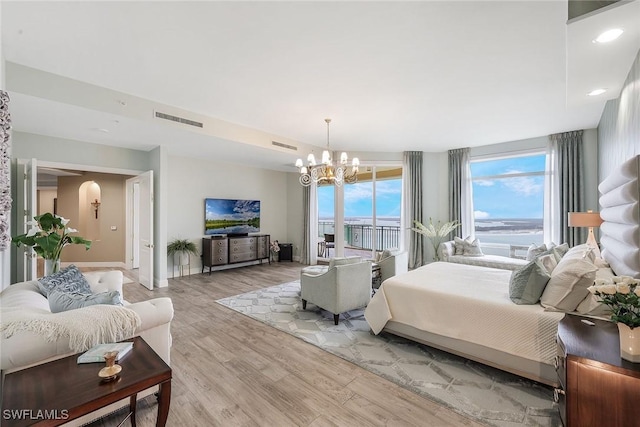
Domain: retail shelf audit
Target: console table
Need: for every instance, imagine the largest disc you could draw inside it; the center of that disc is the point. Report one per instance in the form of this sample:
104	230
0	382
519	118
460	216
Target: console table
597	387
57	392
223	250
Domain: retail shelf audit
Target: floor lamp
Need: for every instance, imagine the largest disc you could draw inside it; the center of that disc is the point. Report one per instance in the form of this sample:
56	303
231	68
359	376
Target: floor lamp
587	219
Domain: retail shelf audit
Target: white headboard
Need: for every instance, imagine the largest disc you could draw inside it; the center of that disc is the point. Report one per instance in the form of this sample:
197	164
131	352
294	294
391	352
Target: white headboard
620	210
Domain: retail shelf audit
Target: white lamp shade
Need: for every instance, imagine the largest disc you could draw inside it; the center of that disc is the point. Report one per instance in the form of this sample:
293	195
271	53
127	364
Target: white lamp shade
299	163
326	158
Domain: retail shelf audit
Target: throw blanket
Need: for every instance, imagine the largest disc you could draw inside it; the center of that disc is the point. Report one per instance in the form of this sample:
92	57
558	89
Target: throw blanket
85	327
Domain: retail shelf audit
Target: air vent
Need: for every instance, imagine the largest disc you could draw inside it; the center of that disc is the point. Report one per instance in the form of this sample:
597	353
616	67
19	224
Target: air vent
178	119
287	146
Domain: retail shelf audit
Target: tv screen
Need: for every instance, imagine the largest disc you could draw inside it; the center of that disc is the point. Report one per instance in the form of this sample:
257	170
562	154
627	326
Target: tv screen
231	216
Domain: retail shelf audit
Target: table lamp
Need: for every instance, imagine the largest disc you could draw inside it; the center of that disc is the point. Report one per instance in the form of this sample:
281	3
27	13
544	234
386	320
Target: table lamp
587	219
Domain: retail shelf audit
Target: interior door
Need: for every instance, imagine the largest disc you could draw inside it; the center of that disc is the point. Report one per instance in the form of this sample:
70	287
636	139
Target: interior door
28	260
142	215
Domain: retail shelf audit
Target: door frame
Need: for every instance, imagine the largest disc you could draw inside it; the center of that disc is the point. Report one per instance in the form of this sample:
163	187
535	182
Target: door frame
89	168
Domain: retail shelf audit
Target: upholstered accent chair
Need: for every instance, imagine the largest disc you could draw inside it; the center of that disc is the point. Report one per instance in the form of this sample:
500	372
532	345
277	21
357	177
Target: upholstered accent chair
343	285
393	262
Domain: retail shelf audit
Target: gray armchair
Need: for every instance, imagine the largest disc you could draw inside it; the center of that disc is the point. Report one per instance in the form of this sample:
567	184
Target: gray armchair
393	263
342	286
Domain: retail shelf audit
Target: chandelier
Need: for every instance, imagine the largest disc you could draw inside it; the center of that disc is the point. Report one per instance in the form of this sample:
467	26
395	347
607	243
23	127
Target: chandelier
326	172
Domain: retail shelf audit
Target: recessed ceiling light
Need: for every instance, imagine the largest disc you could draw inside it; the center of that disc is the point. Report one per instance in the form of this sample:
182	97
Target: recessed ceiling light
609	35
596	92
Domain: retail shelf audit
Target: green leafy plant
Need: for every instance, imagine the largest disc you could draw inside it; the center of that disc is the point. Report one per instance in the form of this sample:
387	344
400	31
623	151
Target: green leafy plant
182	247
622	296
48	235
436	233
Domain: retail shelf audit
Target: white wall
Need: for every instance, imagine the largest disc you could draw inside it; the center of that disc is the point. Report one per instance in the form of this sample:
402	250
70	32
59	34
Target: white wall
435	194
190	181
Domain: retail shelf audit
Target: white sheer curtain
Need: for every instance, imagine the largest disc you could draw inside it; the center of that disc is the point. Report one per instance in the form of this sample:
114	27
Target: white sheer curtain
551	215
309	252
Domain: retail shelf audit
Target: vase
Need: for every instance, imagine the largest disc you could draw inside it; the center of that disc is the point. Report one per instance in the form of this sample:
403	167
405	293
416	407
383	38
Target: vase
51	266
629	343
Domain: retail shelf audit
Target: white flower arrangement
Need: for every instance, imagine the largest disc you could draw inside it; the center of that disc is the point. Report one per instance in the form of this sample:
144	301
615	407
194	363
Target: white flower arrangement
275	246
436	234
622	295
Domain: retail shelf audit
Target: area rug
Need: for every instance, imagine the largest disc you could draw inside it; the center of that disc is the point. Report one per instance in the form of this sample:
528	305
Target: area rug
485	394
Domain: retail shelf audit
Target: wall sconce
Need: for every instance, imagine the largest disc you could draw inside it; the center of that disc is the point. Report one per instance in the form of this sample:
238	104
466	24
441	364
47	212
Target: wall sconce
96	205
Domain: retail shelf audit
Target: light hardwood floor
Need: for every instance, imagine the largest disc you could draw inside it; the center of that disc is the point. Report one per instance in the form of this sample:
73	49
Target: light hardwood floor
230	370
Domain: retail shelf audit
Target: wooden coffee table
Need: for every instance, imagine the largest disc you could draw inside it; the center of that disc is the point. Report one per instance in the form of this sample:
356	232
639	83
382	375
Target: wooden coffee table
56	392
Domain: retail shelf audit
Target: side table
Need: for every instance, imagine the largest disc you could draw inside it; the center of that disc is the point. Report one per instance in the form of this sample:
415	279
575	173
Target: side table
57	392
286	252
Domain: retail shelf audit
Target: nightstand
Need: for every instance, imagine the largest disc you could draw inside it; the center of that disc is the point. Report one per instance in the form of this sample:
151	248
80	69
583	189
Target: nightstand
597	387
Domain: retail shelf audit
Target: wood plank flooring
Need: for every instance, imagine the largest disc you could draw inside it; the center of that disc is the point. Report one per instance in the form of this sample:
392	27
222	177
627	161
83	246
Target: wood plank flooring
230	370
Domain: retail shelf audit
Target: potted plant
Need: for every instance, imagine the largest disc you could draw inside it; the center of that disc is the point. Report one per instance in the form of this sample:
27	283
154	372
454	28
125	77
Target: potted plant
436	233
181	250
47	236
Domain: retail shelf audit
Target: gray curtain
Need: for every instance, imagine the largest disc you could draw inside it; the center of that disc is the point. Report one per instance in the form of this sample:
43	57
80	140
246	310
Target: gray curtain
570	183
413	183
305	256
457	165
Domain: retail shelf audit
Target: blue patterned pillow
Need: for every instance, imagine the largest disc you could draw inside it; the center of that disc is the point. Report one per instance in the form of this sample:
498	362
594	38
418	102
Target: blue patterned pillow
64	301
69	279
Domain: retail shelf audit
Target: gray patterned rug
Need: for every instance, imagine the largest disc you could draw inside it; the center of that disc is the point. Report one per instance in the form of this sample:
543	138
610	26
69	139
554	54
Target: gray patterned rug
477	391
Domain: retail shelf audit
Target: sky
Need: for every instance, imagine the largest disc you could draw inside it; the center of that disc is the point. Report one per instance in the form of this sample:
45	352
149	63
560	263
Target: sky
513	197
358	199
493	197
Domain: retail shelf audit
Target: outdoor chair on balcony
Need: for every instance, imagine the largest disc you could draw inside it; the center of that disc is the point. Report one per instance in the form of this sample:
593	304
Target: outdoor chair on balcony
342	286
329	243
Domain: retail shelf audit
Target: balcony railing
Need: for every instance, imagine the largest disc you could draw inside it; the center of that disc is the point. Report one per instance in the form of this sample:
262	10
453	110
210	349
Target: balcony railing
361	235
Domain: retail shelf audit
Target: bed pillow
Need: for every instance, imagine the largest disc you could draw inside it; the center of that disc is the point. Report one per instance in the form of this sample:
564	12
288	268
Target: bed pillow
591	304
568	284
69	279
559	250
64	301
535	250
527	283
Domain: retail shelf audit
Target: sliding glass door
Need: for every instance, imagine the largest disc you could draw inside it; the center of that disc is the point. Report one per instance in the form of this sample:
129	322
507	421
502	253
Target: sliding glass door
369	214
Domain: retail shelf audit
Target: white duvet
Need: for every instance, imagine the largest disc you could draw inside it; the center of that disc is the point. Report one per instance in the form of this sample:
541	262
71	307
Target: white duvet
468	303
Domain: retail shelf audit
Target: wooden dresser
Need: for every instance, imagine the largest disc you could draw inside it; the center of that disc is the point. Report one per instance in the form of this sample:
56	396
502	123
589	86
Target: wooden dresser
597	387
222	251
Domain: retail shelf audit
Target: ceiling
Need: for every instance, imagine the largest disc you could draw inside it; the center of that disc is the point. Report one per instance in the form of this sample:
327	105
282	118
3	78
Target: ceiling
393	76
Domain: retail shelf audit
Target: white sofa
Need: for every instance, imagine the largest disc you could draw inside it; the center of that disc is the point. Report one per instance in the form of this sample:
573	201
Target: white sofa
24	349
447	251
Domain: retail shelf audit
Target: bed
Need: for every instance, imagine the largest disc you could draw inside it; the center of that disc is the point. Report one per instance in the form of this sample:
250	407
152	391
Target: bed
466	309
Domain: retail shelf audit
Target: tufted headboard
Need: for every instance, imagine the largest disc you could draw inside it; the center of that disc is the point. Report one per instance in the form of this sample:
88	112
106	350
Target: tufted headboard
620	210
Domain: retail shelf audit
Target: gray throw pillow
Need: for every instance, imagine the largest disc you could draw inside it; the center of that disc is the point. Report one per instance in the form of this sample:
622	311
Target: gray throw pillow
69	279
64	301
527	283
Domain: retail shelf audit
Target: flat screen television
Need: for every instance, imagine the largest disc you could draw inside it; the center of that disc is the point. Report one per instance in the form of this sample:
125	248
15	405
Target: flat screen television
231	216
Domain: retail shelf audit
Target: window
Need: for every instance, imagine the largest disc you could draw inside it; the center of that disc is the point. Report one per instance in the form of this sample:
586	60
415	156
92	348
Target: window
366	229
508	201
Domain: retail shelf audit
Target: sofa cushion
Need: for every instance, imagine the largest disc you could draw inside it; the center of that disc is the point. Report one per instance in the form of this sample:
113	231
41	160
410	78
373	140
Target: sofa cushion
69	279
472	248
535	250
315	270
64	301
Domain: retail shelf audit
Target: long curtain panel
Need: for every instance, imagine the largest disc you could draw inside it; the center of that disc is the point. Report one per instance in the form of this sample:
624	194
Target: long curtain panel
461	192
412	185
308	252
570	172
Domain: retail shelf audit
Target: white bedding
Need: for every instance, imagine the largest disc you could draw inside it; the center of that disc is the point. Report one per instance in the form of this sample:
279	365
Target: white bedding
468	303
